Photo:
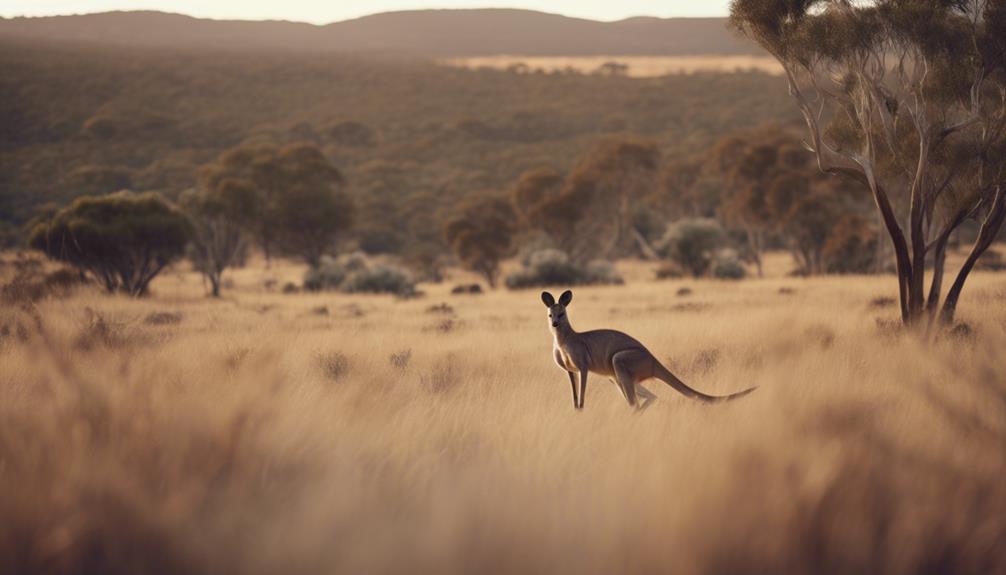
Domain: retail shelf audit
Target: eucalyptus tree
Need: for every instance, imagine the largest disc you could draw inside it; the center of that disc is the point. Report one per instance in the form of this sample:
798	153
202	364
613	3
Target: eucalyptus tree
220	216
300	207
481	235
124	239
589	213
907	97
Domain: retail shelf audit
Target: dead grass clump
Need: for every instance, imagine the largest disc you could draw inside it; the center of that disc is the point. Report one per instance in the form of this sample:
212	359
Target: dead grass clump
882	302
692	307
962	332
701	363
444	326
15	327
335	365
163	318
889	327
400	360
442	308
822	335
352	310
236	357
786	291
682	292
99	331
444	375
320	310
31	282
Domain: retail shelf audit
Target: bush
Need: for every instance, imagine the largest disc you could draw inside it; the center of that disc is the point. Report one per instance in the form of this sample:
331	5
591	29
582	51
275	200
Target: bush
991	261
551	267
354	273
693	244
380	278
31	282
728	266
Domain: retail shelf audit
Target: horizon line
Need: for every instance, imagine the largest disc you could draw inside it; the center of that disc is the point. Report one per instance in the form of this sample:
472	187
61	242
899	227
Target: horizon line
35	16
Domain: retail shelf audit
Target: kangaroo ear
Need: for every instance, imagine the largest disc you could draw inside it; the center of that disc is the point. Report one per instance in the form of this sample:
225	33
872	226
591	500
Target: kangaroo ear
547	299
566	298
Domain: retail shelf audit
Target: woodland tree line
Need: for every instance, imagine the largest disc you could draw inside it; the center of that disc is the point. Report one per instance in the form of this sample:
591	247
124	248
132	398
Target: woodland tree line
566	171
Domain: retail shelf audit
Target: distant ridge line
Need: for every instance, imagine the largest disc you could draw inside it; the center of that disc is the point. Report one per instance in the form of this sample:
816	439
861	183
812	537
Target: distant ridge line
433	33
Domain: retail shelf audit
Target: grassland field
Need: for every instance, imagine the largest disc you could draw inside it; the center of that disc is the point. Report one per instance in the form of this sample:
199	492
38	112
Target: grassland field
329	433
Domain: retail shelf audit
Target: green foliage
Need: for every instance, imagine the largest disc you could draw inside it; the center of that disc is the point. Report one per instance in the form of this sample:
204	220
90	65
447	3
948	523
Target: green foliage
124	239
551	267
693	244
355	273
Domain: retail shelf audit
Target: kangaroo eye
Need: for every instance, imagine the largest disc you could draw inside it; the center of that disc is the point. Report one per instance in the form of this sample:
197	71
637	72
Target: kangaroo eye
562	315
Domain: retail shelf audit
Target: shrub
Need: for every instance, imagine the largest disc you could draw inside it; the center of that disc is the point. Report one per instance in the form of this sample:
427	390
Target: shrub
470	289
693	244
552	267
380	278
991	261
354	273
728	266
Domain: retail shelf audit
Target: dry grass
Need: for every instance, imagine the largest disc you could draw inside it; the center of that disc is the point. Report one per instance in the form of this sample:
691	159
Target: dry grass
256	435
639	66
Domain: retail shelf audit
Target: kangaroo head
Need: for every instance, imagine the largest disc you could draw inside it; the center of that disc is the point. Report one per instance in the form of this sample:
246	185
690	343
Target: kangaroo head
557	311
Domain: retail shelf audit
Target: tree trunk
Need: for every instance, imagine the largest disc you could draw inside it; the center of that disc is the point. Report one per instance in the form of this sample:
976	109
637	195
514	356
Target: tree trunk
754	244
986	235
936	287
950	305
214	284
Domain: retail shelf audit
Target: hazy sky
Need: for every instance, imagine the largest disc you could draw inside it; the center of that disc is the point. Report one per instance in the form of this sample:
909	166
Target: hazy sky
322	12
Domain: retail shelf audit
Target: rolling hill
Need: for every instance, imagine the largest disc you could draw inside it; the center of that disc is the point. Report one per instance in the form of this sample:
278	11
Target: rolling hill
429	33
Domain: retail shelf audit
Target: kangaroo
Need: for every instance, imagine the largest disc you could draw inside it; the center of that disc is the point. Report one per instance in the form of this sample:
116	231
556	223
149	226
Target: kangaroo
612	354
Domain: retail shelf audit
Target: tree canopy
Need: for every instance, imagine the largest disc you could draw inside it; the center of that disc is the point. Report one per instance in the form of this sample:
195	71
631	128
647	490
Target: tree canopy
908	99
481	235
290	197
124	239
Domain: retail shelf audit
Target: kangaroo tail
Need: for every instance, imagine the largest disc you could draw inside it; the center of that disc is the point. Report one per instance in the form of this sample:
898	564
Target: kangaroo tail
665	375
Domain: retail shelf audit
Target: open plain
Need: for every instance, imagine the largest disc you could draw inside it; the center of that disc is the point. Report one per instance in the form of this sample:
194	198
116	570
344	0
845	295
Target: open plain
309	433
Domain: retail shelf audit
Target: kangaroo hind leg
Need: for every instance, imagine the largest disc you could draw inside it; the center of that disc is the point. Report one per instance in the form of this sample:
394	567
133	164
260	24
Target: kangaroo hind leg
647	395
625	364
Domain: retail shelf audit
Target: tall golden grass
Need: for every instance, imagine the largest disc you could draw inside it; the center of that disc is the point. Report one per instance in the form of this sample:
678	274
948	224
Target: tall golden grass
269	433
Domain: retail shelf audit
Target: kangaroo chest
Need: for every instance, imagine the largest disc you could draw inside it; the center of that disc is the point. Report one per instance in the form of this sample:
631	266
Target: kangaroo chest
565	359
